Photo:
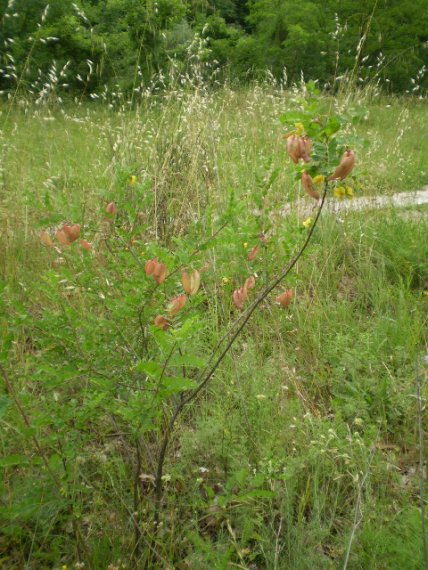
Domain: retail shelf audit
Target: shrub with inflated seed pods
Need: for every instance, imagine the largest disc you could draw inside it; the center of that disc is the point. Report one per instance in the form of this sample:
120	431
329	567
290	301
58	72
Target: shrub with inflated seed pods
169	307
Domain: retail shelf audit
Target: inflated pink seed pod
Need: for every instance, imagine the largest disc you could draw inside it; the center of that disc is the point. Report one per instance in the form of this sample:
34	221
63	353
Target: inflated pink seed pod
309	186
185	281
250	283
162	323
285	298
238	298
62	237
191	283
111	208
85	245
305	147
293	148
150	266
345	167
176	305
160	272
195	282
72	232
253	253
46	239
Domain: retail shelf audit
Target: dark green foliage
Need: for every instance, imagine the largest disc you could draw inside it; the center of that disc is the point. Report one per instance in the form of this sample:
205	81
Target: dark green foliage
367	41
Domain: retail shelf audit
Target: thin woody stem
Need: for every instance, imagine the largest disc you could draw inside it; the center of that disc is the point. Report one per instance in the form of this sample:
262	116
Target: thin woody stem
208	372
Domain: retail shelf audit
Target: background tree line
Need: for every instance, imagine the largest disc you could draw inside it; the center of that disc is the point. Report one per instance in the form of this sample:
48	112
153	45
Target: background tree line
89	43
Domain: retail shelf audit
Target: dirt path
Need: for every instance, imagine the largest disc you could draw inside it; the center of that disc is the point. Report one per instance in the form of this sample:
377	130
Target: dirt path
399	200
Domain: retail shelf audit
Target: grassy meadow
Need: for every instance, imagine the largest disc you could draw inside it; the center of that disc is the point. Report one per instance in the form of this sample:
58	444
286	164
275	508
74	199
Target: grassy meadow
303	449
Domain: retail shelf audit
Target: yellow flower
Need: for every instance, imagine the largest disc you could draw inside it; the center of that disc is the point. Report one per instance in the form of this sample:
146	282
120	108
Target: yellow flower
300	128
339	192
245	245
64	567
318	179
132	180
288	135
225	280
349	191
307	223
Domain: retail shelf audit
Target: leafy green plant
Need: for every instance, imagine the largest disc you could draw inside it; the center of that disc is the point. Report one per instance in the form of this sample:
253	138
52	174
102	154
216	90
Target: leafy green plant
121	329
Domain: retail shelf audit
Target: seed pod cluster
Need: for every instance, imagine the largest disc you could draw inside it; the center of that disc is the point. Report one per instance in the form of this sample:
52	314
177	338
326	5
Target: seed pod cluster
157	270
240	295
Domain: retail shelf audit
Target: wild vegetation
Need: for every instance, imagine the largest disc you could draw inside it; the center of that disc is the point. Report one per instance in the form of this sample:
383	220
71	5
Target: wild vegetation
86	45
202	366
302	450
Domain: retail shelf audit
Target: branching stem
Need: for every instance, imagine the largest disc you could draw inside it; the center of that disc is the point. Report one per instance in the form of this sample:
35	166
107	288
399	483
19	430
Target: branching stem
208	372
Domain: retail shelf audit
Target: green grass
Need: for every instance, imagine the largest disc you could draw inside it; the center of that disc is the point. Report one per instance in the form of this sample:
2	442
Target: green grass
306	436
